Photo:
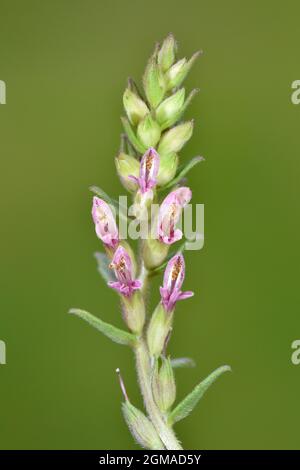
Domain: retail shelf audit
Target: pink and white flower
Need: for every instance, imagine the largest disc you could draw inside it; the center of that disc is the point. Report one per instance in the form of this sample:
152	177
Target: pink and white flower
149	167
173	279
122	266
169	215
105	223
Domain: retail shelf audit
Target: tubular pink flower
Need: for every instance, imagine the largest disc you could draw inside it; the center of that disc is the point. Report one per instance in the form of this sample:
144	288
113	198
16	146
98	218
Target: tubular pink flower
105	224
148	171
122	266
169	214
173	279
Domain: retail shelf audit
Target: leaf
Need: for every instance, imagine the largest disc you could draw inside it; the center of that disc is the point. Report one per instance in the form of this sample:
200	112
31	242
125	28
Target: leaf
102	265
187	405
131	136
183	171
180	362
141	427
190	98
103	195
113	333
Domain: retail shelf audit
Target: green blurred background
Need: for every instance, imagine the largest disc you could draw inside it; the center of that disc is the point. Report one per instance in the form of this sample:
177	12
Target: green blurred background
65	63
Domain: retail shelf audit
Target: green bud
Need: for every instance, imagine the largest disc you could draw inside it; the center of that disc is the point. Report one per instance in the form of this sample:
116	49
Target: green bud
177	73
154	83
163	385
127	165
167	168
154	253
141	427
148	132
166	55
169	111
134	312
134	106
174	139
158	330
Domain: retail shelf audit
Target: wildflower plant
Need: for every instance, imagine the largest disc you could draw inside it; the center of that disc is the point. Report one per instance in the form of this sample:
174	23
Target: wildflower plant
147	165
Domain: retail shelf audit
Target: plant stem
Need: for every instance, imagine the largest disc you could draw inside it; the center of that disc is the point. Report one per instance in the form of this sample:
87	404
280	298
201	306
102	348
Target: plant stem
143	277
166	433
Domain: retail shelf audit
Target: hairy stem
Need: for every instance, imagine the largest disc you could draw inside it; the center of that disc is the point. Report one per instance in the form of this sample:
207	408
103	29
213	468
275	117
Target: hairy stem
143	277
144	374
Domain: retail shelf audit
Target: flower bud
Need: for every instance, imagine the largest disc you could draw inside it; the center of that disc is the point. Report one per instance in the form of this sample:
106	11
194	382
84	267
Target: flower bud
133	309
126	166
105	224
141	427
158	330
148	170
173	279
134	106
163	385
132	256
169	111
169	214
174	139
148	132
154	83
124	272
166	54
177	73
167	168
146	181
154	253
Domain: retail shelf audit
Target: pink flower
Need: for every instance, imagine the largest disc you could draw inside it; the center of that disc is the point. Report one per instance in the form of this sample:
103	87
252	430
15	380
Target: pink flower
148	171
122	266
173	279
169	214
105	224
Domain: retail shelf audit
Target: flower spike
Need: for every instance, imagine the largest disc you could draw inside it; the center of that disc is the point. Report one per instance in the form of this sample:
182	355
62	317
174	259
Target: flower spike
173	279
105	224
148	159
122	266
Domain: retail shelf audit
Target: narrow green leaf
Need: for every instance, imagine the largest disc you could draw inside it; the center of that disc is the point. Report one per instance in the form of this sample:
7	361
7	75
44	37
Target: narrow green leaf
183	171
190	98
141	427
131	136
102	194
180	362
187	405
102	265
113	333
